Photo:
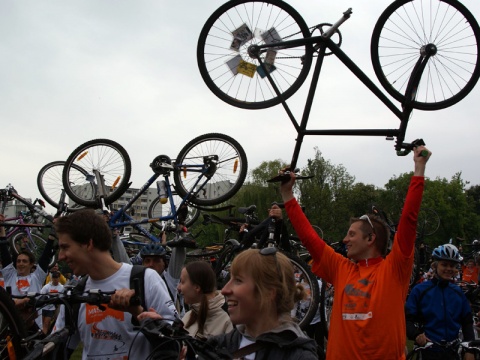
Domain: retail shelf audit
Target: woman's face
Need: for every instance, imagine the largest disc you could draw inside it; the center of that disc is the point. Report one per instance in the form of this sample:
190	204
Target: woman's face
192	293
243	306
446	269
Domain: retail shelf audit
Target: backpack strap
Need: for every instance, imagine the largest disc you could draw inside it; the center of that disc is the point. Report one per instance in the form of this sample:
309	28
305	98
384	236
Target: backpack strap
138	273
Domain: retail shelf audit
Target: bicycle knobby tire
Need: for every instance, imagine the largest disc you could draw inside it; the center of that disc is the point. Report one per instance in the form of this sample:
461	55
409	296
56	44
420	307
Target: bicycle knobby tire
227	179
106	156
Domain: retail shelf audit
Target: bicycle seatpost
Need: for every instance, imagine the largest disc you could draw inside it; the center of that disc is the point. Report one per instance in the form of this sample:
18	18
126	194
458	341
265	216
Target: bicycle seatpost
346	15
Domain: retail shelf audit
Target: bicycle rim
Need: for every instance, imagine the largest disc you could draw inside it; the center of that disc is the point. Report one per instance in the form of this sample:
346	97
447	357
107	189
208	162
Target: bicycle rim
236	77
50	184
404	28
428	222
107	157
11	329
157	210
227	179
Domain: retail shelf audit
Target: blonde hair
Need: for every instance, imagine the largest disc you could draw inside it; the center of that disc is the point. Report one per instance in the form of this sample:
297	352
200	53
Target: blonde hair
263	269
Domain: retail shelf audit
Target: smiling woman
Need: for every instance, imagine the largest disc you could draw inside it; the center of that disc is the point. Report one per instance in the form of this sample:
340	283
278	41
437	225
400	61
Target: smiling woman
260	295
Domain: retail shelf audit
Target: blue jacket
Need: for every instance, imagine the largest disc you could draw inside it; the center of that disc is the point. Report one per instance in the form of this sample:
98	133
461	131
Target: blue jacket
439	309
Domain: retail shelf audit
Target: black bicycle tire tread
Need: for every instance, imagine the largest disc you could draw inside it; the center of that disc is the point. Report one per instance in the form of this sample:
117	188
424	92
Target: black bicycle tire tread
374	47
203	252
10	314
182	191
122	186
307	61
314	289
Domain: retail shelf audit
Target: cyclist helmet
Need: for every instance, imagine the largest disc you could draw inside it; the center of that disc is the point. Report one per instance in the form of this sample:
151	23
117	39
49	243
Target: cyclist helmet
447	252
152	250
136	260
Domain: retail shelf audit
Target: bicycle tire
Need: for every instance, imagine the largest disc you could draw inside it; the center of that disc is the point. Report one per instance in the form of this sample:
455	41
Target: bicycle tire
219	62
400	32
104	155
428	222
228	177
326	304
304	310
36	249
50	184
12	329
157	209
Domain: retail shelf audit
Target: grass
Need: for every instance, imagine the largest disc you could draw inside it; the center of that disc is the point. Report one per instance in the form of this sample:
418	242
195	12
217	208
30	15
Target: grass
77	354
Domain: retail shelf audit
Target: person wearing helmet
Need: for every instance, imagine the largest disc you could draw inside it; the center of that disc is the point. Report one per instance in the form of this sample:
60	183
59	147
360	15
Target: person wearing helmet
437	309
154	256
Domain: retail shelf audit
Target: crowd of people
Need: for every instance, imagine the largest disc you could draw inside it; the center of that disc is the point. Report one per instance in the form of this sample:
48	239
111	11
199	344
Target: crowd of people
249	317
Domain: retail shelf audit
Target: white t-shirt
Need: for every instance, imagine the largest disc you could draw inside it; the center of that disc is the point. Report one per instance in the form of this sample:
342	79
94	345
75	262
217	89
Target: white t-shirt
51	289
21	285
108	334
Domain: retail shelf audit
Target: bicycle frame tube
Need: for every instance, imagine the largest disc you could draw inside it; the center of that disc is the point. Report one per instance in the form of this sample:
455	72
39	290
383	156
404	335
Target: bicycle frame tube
321	44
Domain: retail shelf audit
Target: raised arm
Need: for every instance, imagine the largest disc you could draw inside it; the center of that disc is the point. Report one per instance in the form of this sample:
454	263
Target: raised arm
5	256
407	226
302	226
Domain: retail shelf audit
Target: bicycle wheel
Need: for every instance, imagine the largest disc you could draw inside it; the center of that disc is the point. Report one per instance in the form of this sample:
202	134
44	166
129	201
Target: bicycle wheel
12	330
157	209
236	77
401	32
428	222
224	182
304	310
50	185
21	241
102	155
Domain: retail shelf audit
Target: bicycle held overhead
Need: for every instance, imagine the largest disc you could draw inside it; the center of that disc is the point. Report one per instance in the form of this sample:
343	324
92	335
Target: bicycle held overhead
254	54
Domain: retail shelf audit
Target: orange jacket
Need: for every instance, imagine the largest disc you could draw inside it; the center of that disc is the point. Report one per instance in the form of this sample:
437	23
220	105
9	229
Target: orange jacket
368	319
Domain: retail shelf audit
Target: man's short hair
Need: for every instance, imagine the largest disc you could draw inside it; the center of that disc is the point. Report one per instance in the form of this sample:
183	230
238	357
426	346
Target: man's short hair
83	225
55	274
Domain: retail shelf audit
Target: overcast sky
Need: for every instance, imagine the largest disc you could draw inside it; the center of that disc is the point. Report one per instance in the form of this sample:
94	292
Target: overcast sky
72	71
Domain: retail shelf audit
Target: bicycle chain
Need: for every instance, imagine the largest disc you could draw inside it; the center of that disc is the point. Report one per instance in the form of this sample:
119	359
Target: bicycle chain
289	36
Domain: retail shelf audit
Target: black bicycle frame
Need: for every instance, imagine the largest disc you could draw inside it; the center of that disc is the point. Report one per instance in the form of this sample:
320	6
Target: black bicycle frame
322	43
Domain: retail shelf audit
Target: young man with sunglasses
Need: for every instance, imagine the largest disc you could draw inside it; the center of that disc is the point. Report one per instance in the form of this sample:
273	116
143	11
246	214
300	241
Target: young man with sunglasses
367	320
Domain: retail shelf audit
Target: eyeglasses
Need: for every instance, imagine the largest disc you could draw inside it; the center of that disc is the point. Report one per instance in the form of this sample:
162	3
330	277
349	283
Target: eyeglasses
272	251
366	217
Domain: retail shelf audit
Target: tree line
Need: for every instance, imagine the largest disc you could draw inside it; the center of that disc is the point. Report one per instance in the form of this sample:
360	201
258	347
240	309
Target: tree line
333	196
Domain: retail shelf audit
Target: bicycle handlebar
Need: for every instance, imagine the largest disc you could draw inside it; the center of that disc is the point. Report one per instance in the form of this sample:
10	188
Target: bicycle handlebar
408	147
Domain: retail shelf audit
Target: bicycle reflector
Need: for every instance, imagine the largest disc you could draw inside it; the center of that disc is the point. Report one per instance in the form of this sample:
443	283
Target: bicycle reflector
115	183
235	166
82	156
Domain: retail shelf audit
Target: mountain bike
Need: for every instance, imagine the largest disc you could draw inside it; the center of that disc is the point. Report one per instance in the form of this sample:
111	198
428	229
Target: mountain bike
255	54
23	232
208	170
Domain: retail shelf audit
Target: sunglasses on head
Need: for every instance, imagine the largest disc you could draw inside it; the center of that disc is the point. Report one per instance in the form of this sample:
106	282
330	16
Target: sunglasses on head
272	251
367	218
